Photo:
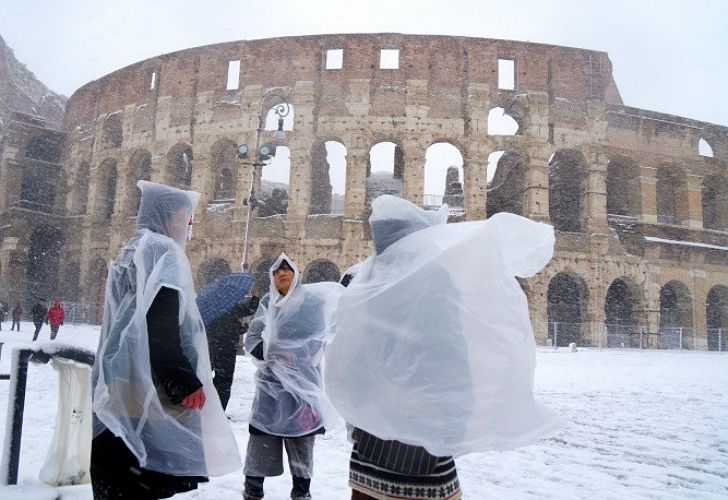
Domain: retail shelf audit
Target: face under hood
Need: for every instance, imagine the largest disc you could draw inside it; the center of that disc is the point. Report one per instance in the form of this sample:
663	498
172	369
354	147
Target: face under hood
274	293
166	210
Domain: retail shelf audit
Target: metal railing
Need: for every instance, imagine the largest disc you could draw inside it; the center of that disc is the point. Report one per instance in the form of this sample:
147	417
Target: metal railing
620	336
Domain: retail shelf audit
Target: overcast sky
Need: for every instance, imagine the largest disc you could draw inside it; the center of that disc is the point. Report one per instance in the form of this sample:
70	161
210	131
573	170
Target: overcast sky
668	55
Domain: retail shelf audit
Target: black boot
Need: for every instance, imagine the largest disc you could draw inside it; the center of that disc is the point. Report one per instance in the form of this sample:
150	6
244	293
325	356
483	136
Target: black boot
301	487
253	488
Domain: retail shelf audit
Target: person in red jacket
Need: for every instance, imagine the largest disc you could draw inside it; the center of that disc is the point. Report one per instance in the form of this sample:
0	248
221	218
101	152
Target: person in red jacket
55	318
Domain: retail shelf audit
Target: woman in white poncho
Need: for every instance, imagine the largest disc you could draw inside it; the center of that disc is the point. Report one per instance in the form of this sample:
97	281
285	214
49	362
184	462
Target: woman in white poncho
287	338
159	427
434	354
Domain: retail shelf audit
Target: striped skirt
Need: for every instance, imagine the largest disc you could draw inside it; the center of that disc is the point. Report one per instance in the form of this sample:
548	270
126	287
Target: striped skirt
381	484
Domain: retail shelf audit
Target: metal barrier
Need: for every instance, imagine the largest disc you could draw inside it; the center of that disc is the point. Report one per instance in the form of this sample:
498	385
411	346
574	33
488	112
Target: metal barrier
620	336
16	400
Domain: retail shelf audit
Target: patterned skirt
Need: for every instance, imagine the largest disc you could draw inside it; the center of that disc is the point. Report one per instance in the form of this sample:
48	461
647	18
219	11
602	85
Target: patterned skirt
381	484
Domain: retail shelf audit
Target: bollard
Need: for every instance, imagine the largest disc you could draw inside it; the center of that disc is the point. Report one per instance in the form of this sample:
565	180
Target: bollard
14	419
681	335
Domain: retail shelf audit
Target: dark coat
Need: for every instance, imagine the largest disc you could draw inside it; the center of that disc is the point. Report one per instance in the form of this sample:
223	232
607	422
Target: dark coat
39	313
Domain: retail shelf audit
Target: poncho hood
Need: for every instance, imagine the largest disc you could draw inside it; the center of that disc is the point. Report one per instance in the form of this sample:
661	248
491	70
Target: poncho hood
166	210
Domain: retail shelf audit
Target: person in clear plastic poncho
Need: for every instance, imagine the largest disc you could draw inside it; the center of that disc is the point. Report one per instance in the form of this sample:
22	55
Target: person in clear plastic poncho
434	354
286	339
159	427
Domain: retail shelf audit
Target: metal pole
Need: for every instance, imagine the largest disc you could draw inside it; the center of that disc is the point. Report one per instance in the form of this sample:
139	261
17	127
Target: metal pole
14	419
642	333
556	335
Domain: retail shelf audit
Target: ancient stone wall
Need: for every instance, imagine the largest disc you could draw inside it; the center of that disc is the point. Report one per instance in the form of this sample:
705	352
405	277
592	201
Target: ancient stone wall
639	212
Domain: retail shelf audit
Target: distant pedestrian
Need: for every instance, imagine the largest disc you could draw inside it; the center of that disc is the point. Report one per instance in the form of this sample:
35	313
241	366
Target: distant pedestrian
55	318
17	314
39	313
2	314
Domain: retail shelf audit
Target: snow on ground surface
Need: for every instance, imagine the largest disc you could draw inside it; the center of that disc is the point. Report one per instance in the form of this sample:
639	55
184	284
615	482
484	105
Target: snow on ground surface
650	424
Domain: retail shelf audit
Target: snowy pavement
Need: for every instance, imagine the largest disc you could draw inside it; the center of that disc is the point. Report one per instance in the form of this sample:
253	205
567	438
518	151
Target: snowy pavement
650	424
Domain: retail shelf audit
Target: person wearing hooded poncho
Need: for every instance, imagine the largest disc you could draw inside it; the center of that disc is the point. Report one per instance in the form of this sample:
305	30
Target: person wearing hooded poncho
159	427
286	339
434	353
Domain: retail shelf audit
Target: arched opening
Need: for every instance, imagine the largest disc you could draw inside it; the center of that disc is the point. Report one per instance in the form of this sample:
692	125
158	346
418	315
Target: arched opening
716	312
500	123
676	315
44	148
80	191
704	148
623	188
321	270
384	171
260	273
179	166
70	285
444	178
106	189
224	165
620	307
507	186
275	184
567	189
140	168
210	270
566	308
113	134
715	203
328	178
44	254
671	195
38	188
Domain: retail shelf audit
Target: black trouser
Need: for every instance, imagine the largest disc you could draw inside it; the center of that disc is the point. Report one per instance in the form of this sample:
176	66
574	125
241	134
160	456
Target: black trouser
115	474
38	326
222	356
15	322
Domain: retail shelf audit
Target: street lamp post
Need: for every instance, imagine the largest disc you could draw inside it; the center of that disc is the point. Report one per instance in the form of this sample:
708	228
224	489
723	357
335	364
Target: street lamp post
263	155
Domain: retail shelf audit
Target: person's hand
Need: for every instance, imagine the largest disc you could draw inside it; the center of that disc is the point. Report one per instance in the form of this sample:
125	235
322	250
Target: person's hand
196	400
255	292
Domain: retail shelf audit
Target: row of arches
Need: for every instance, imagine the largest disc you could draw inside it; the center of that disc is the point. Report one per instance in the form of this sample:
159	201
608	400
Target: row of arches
567	304
626	311
568	179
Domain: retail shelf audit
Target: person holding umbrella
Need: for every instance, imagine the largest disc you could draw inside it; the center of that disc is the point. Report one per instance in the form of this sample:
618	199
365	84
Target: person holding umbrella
223	306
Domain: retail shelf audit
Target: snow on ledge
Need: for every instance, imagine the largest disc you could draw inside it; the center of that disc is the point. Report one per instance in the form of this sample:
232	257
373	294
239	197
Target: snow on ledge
685	243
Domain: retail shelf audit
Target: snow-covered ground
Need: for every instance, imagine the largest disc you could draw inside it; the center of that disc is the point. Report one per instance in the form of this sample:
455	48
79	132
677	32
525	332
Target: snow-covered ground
650	424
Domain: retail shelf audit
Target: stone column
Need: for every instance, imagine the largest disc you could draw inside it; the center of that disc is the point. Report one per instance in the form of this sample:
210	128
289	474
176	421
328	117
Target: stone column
648	194
475	180
699	291
356	183
693	197
299	183
595	205
414	168
536	202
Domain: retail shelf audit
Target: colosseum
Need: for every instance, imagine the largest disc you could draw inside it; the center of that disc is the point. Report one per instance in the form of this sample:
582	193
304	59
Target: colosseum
639	199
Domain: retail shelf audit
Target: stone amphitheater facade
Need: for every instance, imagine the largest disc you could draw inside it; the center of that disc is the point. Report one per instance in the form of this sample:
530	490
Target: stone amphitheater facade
639	206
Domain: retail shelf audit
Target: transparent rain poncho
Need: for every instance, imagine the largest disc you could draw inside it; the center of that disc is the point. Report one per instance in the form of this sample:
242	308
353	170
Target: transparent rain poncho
289	398
433	343
164	437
